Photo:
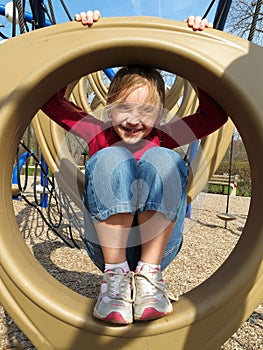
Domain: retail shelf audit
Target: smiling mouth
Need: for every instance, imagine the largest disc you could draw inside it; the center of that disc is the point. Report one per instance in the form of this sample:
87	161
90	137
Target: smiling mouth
131	131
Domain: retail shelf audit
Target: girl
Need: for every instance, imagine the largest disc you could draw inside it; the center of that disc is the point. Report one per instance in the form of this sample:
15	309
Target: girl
135	186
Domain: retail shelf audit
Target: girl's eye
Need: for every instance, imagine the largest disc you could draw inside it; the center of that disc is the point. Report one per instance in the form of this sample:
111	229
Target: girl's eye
147	109
140	108
123	107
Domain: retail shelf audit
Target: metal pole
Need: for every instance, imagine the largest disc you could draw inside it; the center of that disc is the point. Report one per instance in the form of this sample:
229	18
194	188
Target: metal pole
27	15
229	175
222	13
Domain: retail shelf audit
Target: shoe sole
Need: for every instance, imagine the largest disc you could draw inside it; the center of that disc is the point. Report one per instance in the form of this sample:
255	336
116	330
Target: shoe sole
113	317
151	314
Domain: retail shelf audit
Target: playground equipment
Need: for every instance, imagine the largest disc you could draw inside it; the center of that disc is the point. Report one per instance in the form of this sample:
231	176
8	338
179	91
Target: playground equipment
54	317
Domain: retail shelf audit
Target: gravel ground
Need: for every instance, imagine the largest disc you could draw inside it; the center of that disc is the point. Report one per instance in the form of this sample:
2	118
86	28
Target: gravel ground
207	244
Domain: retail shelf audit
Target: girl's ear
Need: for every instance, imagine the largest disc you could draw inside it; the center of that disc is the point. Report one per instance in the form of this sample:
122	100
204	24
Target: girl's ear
108	111
109	114
162	117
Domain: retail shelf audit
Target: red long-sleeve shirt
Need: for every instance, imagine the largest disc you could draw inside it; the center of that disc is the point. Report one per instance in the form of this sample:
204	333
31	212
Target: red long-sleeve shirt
99	134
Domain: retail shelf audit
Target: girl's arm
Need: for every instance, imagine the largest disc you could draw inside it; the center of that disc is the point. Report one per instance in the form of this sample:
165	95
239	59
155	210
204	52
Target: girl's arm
209	118
67	114
71	117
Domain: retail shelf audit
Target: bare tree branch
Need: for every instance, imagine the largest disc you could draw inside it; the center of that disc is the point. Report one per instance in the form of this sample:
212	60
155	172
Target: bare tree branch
240	20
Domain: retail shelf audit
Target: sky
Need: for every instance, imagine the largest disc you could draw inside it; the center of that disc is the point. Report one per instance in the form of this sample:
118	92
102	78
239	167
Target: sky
171	9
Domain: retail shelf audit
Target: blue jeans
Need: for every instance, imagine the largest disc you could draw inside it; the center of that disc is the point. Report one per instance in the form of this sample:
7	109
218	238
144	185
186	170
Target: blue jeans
115	183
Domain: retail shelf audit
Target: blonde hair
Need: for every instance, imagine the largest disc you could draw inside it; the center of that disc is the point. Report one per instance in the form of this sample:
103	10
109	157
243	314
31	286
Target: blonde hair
127	79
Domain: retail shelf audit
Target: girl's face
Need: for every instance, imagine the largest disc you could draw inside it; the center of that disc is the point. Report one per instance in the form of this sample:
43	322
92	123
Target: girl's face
132	118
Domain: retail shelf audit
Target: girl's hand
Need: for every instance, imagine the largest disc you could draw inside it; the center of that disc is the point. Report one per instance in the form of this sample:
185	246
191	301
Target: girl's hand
197	23
88	18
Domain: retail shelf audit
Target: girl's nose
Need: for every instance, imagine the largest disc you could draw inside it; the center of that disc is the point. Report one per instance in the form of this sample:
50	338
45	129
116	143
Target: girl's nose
133	120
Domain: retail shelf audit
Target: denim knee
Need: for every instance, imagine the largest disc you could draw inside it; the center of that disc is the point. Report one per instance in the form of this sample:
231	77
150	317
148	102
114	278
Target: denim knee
164	178
110	183
162	157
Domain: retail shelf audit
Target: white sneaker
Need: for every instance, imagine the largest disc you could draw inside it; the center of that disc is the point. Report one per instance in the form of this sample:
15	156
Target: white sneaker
151	298
114	302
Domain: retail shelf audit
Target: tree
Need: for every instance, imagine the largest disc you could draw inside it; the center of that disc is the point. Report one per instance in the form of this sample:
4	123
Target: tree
245	19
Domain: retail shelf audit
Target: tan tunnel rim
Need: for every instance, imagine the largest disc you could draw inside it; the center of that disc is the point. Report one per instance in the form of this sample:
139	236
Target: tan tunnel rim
225	77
